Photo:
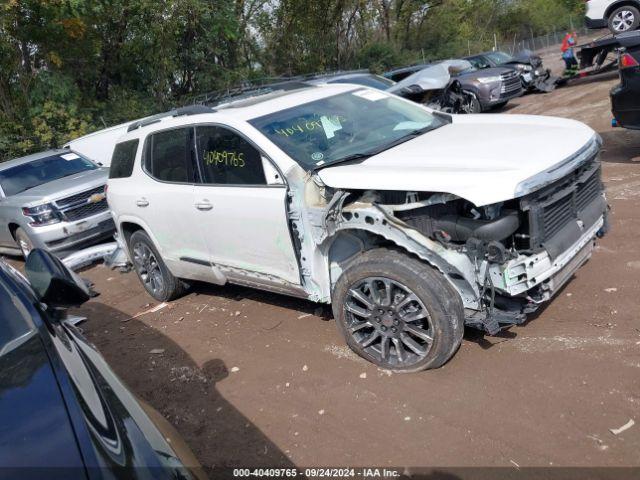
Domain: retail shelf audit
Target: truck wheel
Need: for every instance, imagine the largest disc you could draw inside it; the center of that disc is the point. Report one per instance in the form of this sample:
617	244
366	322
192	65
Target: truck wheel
624	19
398	312
156	278
24	242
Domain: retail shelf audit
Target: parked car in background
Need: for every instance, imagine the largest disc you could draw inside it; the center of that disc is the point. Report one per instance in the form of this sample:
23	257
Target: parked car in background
625	97
433	86
53	200
528	64
356	77
64	413
98	146
493	87
410	222
437	86
619	15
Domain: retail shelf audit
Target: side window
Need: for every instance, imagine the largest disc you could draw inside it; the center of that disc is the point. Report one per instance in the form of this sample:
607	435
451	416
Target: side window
123	158
168	155
227	158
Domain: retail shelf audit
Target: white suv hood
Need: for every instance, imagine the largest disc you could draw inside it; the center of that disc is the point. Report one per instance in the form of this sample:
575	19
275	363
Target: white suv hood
481	158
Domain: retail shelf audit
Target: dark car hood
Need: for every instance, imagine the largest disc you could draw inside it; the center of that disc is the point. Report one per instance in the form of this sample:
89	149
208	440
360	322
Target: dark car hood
527	57
485	72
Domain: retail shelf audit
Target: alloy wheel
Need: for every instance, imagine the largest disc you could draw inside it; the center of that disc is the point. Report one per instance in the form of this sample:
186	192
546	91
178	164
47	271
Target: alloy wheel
388	321
148	268
623	20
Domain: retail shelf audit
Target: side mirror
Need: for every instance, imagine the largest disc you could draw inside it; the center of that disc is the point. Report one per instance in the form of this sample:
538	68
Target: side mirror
54	284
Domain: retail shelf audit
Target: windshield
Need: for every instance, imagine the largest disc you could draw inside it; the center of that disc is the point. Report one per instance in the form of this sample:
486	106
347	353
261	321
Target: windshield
334	129
17	179
499	57
373	81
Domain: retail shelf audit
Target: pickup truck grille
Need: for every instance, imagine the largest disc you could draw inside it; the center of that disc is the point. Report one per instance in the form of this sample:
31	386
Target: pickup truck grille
576	197
511	84
79	206
86	210
78	197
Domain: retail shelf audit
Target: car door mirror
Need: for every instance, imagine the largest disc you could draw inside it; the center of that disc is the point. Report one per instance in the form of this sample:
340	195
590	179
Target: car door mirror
54	284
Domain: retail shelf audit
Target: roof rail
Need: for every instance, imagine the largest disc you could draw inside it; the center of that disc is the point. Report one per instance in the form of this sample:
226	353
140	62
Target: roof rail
176	112
250	89
332	73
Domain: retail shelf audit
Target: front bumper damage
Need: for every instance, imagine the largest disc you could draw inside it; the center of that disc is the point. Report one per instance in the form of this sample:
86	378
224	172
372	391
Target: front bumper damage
525	283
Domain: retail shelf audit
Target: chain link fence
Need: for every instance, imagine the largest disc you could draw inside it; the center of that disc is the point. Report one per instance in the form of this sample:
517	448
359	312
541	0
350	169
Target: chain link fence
544	42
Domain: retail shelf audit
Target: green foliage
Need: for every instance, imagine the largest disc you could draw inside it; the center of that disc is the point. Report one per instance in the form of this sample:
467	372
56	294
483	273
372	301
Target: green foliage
379	57
68	67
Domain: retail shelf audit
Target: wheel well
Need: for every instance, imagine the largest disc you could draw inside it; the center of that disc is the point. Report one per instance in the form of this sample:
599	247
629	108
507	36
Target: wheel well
12	229
128	229
622	3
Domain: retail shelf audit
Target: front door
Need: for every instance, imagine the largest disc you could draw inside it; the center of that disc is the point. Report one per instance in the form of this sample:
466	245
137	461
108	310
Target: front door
240	208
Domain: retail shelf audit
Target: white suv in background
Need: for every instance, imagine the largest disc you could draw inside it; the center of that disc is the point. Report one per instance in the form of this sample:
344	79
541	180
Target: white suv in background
619	15
410	222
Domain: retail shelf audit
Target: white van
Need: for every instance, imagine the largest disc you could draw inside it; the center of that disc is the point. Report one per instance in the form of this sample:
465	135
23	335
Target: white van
98	146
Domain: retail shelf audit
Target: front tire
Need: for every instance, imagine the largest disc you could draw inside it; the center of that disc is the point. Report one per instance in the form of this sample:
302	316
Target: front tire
624	19
154	275
398	312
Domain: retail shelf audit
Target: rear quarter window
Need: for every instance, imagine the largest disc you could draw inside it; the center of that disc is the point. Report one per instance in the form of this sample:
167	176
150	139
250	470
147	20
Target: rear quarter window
124	156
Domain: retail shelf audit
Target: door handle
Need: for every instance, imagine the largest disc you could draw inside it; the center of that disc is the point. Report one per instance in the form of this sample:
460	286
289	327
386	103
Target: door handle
204	205
143	202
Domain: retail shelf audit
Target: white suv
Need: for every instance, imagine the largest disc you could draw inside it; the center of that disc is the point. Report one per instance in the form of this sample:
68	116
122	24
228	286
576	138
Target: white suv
410	222
619	15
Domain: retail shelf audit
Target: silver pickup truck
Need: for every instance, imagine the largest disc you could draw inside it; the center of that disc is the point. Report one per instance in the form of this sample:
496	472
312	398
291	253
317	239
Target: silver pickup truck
53	200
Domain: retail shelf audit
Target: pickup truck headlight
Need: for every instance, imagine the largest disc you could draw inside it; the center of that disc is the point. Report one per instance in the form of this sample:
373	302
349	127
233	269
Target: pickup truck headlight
41	215
493	79
523	67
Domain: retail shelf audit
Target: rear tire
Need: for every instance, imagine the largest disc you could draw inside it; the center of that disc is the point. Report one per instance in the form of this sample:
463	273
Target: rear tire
24	242
624	19
154	275
398	312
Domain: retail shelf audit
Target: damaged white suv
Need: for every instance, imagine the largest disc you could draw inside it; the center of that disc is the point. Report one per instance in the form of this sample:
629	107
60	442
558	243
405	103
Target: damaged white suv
411	223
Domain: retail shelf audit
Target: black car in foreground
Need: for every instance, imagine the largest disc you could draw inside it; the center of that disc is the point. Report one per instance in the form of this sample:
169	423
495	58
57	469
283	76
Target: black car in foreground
625	97
63	412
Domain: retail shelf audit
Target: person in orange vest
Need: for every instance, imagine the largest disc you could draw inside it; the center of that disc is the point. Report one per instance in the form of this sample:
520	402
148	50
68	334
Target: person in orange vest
568	53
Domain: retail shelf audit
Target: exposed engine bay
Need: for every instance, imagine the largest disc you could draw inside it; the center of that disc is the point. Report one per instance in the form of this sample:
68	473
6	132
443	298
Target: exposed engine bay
504	259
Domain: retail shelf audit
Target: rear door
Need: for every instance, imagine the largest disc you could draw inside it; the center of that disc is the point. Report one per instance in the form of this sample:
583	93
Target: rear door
165	201
240	207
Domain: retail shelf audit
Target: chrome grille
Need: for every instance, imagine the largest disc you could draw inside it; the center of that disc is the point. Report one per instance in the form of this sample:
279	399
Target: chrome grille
79	206
78	197
559	213
554	207
511	84
86	210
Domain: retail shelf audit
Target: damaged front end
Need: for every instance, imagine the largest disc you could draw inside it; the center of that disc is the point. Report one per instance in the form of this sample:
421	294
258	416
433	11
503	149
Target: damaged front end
504	259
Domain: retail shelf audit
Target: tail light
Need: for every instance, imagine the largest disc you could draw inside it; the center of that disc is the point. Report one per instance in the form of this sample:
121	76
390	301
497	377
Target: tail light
627	61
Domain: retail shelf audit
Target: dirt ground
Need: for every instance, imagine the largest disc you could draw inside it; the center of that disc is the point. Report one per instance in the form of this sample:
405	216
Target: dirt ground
256	379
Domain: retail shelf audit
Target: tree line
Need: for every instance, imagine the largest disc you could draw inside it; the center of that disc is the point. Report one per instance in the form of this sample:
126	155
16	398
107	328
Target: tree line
69	67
